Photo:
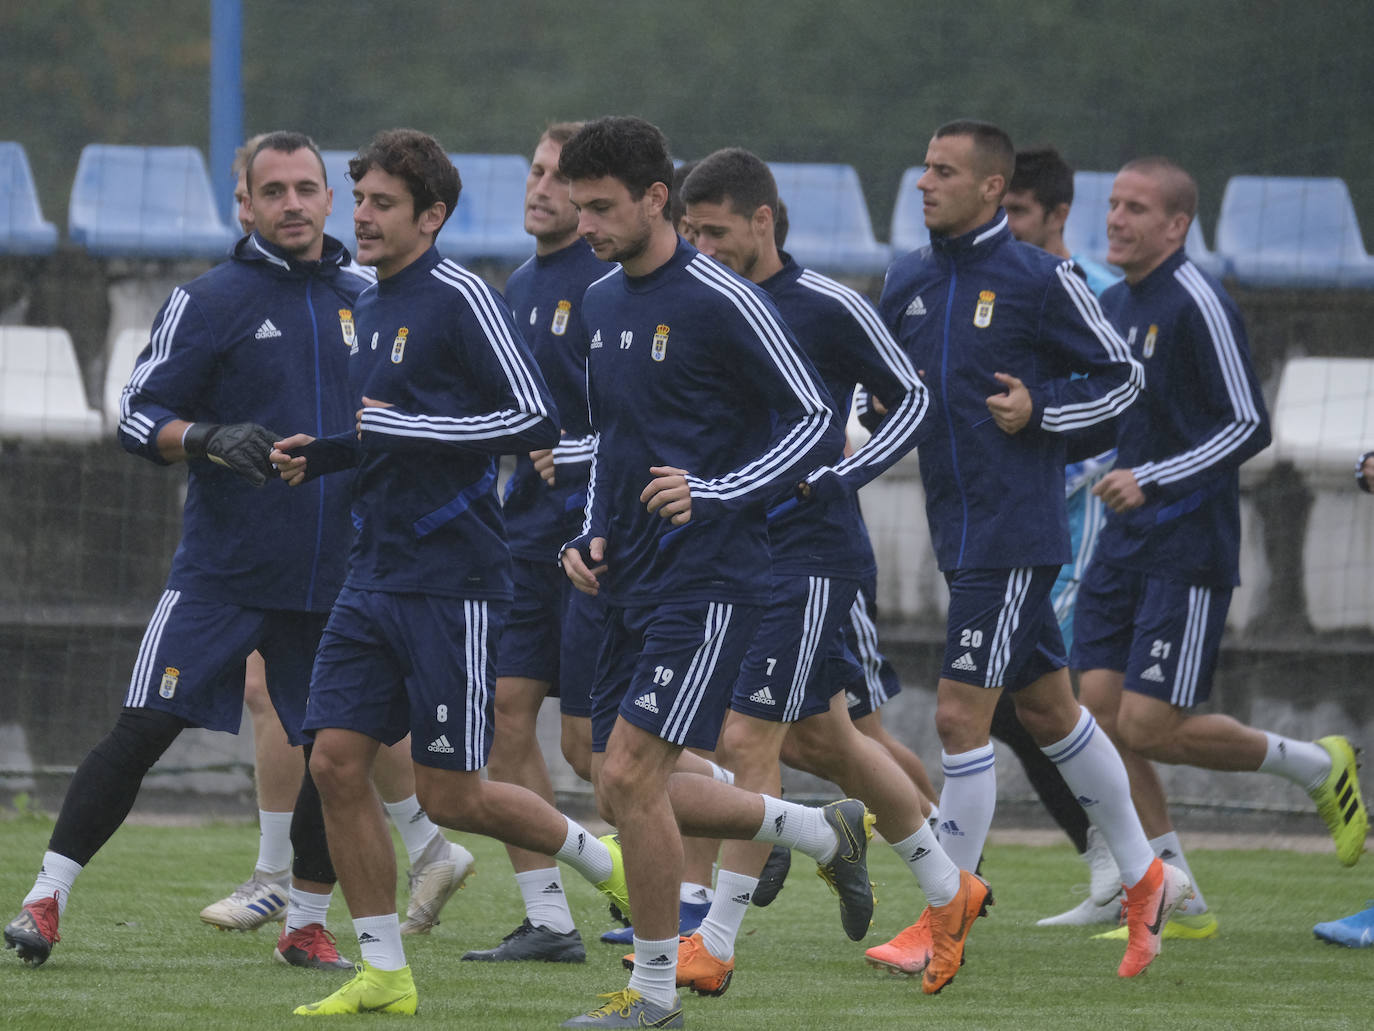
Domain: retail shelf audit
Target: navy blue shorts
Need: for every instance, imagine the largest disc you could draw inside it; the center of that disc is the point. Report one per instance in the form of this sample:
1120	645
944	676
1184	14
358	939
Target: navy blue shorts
1164	635
1001	630
668	669
418	664
789	671
551	634
873	681
191	661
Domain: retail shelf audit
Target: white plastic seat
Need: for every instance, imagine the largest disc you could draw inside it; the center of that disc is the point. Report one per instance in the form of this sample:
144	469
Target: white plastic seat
41	393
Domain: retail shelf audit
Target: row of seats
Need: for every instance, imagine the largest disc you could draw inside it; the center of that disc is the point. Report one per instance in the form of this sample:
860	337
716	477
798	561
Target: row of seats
156	202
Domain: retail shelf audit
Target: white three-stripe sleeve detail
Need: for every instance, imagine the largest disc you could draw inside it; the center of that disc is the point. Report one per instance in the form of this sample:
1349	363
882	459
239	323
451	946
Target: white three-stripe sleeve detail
1060	418
134	423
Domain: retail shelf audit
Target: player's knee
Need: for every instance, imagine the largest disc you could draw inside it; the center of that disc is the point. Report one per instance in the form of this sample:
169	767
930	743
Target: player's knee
958	730
139	738
335	771
1143	737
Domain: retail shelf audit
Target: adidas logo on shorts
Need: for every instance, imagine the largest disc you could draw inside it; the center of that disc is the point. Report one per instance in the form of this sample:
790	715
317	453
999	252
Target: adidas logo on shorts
1154	674
763	696
851	699
965	664
649	702
440	744
266	331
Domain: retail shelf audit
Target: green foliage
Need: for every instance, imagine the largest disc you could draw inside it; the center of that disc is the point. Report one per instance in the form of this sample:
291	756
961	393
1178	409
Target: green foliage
133	954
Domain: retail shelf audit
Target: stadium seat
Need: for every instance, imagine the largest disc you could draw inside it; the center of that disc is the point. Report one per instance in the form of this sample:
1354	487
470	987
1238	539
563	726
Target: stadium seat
1323	420
828	218
909	230
489	223
145	202
1295	232
23	230
119	364
41	393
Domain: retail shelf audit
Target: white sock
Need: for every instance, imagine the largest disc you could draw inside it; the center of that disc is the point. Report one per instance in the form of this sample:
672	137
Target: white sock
55	877
721	926
305	908
274	842
545	903
1167	847
585	854
967	802
696	893
655	972
935	872
799	827
1092	768
1305	763
720	773
379	940
416	828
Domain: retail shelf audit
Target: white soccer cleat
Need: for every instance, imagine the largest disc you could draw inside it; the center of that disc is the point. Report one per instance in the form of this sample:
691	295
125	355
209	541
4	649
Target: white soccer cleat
1084	914
261	898
440	871
1104	879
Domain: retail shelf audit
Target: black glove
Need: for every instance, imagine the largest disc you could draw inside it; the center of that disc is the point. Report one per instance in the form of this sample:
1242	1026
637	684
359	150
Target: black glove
241	447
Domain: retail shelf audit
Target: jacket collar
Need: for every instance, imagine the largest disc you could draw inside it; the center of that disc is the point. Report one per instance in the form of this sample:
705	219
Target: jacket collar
976	242
254	247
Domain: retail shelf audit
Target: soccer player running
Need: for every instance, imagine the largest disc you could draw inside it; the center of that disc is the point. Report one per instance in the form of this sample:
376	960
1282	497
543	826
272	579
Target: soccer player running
257	342
820	554
703	408
446	386
546	643
1152	610
998	329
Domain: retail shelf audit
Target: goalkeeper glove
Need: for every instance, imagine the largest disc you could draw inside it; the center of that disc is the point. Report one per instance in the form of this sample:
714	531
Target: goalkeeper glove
241	447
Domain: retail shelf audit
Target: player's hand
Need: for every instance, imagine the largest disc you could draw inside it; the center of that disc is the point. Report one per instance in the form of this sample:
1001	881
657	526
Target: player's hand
668	494
290	468
583	576
368	403
1119	491
543	464
241	447
1011	410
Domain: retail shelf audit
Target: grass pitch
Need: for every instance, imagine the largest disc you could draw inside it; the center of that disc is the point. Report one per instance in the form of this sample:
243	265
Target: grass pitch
135	956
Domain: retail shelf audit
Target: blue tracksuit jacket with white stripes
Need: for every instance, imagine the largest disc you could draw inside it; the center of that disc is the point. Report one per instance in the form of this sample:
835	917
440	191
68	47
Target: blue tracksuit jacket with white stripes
970	306
841	333
1200	416
260	338
439	345
692	367
545	296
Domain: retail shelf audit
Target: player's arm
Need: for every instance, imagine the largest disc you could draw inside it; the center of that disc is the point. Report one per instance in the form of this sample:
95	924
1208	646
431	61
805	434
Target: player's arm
583	557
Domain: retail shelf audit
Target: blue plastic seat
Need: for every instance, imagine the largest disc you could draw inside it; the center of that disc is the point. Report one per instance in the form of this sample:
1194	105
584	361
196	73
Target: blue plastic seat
489	222
909	230
1289	231
828	218
145	202
23	230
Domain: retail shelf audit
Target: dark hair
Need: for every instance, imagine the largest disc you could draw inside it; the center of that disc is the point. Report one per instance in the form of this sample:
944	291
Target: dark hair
780	224
287	143
561	132
1046	175
992	147
734	174
418	159
676	205
622	147
1179	188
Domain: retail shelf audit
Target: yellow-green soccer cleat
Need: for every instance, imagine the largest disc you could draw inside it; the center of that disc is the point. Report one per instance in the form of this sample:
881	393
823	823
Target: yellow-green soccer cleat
1178	927
627	1008
614	887
370	991
847	870
1339	802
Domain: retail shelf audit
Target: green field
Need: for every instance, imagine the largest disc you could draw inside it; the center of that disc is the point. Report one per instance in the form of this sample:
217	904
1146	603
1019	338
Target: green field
133	954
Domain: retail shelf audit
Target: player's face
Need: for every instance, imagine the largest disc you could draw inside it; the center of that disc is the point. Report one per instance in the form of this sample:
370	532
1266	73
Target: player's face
1141	233
290	201
391	234
732	239
618	227
1026	217
245	209
549	215
956	197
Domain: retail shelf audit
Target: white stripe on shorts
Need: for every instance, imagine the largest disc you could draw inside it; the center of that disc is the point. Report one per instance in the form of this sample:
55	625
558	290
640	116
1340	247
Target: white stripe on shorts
1193	647
698	676
144	665
475	643
870	658
1008	619
813	620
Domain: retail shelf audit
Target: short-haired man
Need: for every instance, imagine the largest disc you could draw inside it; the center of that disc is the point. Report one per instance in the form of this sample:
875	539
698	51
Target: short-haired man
820	553
1017	353
703	408
546	645
1152	609
446	385
257	341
